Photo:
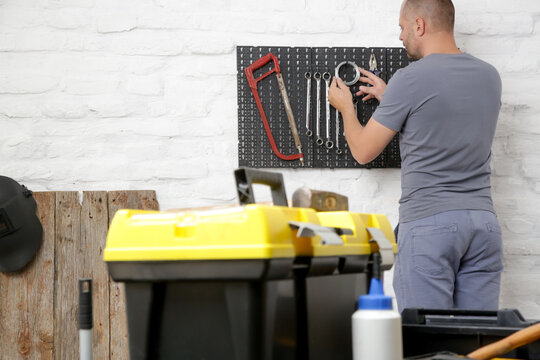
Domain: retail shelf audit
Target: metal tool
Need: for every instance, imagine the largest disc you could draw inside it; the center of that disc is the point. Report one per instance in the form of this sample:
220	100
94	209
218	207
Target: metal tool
253	85
85	319
308	104
338	150
373	65
326	77
356	70
348	83
320	140
319	200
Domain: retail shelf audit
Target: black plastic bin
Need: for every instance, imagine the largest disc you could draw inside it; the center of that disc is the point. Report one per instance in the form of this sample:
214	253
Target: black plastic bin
462	331
296	318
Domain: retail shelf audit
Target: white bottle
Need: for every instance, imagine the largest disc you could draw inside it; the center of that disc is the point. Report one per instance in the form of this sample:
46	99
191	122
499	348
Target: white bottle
376	328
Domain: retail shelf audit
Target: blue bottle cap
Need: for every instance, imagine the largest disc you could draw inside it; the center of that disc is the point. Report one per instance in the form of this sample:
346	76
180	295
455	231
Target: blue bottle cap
375	300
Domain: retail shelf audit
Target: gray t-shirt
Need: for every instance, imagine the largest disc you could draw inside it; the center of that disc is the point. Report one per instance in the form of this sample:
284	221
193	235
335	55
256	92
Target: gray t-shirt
445	107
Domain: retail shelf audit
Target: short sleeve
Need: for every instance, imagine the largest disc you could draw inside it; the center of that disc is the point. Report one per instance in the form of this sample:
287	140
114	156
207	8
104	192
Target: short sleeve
395	104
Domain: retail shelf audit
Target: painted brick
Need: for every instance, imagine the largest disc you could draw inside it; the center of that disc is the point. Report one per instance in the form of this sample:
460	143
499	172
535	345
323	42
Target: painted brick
482	23
219	188
68	18
54	4
21	4
503	7
520	272
480	45
212	44
135	42
23	147
26	83
116	22
15	107
147	42
195	5
7	41
38	40
64	108
266	7
23	64
312	23
530	165
160	18
203	67
212	21
108	106
144	85
158	108
91	85
17	17
196	94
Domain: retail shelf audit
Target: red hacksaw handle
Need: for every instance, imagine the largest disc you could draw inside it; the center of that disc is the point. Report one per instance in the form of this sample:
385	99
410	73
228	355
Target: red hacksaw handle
253	85
259	64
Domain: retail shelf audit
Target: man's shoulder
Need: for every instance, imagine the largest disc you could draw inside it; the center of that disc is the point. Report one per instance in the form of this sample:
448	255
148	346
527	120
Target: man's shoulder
437	64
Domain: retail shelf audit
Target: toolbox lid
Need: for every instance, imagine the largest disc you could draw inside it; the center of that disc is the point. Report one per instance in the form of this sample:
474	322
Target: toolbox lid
245	232
252	231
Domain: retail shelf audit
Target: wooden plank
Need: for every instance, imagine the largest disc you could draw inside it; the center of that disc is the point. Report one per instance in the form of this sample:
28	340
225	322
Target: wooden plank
26	297
143	199
67	273
94	225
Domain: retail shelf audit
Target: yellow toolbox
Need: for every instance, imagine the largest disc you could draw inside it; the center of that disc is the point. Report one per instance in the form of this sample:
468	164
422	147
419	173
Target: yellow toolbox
247	282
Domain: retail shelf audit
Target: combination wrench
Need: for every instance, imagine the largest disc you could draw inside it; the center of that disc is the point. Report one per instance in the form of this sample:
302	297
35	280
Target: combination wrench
320	140
308	104
326	77
338	150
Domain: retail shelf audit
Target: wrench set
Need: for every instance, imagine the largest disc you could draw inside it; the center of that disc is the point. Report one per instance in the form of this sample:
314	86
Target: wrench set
320	136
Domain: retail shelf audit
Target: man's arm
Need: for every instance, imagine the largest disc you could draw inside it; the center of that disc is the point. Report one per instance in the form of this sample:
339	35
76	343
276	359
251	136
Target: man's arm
366	143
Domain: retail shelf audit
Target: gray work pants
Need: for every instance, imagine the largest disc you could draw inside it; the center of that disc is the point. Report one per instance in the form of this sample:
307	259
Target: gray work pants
449	260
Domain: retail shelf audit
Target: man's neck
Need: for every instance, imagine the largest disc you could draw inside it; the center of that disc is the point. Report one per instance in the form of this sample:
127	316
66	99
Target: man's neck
440	43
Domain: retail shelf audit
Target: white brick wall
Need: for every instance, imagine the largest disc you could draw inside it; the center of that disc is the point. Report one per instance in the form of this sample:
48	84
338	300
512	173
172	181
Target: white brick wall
140	94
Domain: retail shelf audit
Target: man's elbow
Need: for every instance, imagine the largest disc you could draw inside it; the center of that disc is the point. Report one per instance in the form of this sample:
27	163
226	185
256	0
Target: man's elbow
363	157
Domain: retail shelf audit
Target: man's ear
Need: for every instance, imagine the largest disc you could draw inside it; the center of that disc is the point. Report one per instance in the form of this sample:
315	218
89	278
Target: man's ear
420	27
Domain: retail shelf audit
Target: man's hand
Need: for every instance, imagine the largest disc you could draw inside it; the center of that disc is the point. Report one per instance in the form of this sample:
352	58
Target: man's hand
376	90
340	96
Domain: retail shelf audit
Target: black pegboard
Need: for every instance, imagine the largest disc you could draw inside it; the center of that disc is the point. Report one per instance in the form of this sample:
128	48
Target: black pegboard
254	149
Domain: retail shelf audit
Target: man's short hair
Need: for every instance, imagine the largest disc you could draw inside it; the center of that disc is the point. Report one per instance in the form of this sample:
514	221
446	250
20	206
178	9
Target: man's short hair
441	13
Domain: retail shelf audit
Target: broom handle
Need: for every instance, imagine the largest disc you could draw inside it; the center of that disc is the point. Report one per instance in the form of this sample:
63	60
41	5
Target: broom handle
509	343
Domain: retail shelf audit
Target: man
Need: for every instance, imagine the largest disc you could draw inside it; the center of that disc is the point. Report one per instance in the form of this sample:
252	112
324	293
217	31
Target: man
445	107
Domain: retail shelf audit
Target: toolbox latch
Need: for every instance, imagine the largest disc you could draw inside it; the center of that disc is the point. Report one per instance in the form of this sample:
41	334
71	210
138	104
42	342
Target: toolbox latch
385	247
329	235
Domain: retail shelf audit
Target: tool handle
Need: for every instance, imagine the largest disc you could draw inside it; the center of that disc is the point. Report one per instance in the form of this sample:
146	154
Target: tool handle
289	112
245	177
509	343
259	64
85	304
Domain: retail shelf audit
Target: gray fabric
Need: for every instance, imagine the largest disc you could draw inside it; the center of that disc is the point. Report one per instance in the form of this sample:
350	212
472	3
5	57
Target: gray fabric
445	107
440	265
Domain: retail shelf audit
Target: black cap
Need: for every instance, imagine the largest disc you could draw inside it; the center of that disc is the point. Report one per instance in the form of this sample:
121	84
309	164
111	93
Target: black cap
20	230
